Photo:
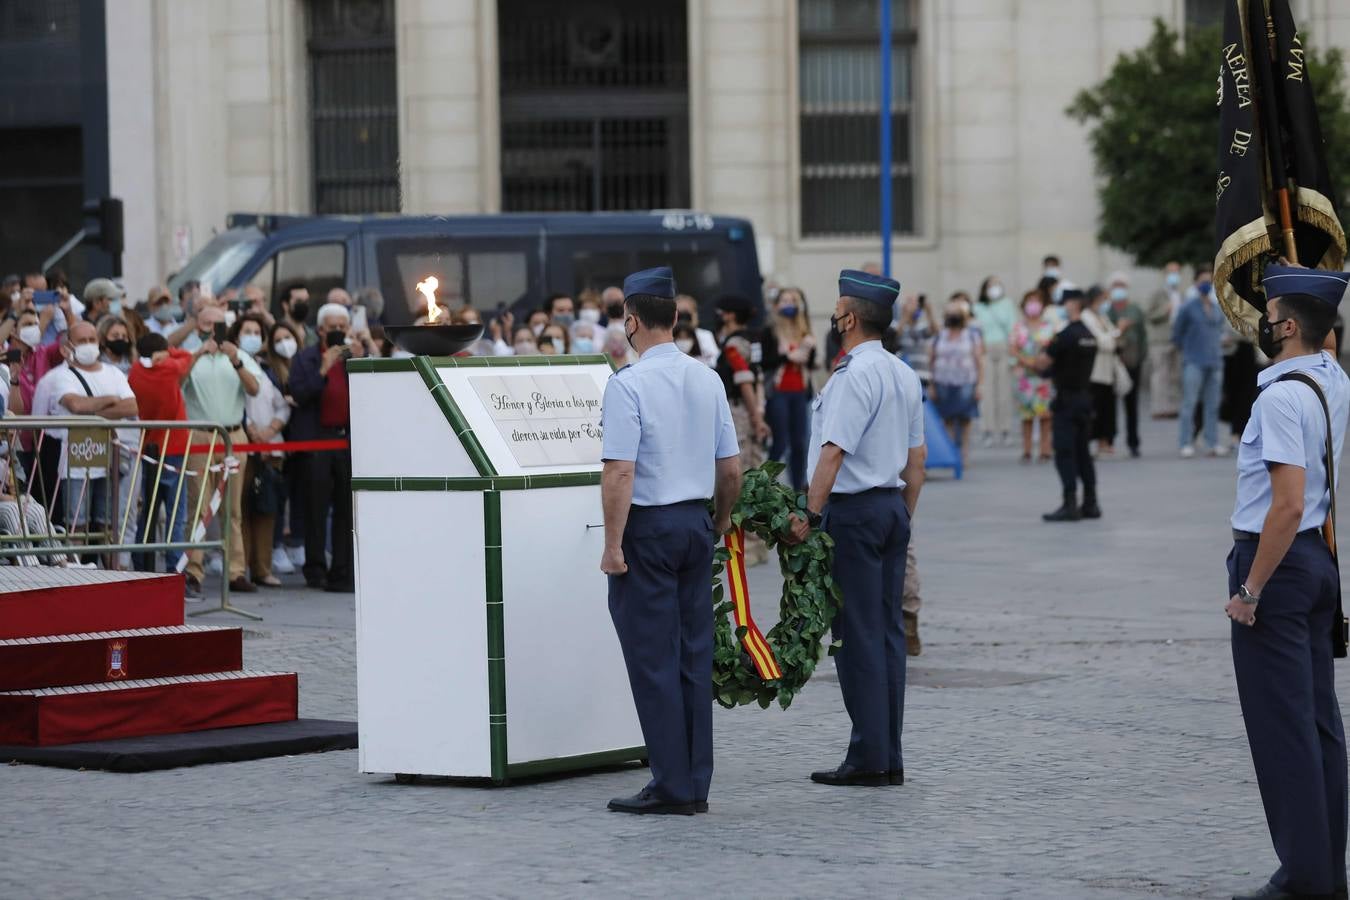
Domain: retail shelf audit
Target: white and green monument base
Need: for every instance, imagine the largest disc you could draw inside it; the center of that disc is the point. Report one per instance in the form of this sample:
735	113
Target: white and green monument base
484	645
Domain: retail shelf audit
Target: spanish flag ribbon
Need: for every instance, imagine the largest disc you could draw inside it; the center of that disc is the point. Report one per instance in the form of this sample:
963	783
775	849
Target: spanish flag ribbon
753	641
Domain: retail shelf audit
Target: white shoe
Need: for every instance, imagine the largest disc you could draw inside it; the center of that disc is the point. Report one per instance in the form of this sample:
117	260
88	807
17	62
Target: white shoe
216	565
1187	452
1222	450
296	555
281	562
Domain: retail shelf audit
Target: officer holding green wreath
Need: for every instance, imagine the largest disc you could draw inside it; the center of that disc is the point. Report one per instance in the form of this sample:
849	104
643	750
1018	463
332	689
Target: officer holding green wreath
866	462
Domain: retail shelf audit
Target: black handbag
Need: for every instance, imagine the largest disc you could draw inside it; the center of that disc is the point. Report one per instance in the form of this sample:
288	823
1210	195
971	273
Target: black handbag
1340	629
262	489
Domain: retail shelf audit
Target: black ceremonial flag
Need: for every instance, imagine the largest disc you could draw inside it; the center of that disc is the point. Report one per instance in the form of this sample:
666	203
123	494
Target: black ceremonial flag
1270	145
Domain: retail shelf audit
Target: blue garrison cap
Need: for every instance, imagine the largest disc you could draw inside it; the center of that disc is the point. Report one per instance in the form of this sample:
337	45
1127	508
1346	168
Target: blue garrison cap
658	282
876	289
1329	287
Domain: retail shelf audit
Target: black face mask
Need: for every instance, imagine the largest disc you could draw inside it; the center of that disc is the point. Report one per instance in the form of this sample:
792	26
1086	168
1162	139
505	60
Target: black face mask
299	311
119	347
1265	337
684	317
834	324
954	321
614	311
629	335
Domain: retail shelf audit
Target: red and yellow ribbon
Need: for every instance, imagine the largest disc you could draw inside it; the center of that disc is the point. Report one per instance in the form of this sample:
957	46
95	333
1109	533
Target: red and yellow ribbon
753	641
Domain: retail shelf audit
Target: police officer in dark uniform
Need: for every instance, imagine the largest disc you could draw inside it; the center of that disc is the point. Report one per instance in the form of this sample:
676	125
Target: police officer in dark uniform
1285	585
866	462
1068	361
668	446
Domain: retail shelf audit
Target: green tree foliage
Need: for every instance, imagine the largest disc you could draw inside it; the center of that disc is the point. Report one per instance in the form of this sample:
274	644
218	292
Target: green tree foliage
1154	133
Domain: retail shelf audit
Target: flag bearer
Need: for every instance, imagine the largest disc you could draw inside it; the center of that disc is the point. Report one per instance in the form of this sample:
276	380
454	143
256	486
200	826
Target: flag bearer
1285	585
669	446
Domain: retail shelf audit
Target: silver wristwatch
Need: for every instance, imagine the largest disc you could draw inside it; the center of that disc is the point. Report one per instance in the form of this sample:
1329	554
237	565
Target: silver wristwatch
1247	596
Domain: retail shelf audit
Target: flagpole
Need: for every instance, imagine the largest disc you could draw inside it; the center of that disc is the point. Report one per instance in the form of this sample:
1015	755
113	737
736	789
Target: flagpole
1261	36
885	123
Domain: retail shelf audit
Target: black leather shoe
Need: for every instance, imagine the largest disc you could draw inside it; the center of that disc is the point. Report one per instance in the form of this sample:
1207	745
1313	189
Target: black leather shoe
645	803
1271	892
897	776
700	806
847	775
1090	511
1065	513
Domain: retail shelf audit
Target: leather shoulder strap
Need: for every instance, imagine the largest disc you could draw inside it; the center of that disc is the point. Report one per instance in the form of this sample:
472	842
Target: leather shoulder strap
1329	457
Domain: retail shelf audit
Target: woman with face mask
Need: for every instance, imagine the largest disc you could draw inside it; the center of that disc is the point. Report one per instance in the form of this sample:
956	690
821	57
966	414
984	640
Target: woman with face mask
523	342
1104	374
553	340
958	357
283	342
114	337
995	314
1030	336
686	339
265	416
583	336
787	379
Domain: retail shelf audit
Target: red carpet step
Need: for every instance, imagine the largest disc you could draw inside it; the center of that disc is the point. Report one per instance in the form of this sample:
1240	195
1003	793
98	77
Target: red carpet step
124	655
119	709
38	600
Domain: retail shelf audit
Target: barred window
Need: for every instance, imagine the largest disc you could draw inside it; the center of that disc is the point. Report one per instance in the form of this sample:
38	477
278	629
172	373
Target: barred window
353	106
839	103
1204	13
594	105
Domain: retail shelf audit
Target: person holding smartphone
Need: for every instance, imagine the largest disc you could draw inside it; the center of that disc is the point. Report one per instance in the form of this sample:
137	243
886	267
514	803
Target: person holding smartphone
318	384
219	380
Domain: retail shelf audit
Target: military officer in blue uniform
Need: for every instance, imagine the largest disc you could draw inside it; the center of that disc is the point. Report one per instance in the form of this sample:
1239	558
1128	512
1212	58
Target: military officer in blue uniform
669	445
866	460
1285	585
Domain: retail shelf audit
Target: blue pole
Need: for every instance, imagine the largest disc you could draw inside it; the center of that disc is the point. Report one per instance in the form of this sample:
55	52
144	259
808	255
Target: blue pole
885	186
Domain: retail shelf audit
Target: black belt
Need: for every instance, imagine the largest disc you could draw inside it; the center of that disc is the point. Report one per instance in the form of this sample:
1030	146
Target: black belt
1256	536
876	490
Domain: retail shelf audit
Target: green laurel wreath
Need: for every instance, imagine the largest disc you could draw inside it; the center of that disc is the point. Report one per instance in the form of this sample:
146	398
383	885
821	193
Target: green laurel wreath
808	605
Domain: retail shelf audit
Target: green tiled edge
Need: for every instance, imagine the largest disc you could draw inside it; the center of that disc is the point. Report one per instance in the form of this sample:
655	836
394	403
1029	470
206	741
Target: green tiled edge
574	763
460	425
488	483
412	363
496	634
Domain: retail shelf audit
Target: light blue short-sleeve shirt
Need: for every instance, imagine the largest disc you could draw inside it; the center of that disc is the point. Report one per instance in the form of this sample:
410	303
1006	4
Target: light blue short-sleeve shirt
1288	427
872	409
667	414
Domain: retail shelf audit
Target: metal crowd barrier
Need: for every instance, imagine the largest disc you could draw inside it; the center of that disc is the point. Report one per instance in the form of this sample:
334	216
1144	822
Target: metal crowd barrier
28	484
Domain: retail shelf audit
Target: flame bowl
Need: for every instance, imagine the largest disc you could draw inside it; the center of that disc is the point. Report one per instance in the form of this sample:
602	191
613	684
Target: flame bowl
433	340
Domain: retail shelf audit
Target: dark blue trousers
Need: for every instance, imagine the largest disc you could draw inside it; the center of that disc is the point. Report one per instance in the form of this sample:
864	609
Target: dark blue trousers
1285	682
662	611
789	418
870	532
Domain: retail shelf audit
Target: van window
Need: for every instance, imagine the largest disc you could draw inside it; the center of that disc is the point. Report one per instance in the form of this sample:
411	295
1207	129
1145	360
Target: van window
468	276
697	272
318	267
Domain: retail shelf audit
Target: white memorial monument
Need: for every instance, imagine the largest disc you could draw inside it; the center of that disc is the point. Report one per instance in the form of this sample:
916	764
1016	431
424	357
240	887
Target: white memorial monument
484	642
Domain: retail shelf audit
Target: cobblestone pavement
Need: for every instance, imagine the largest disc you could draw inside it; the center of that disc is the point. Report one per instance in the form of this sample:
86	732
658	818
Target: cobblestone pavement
1072	731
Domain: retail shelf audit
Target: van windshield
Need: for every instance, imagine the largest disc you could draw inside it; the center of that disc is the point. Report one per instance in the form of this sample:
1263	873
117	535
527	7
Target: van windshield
220	260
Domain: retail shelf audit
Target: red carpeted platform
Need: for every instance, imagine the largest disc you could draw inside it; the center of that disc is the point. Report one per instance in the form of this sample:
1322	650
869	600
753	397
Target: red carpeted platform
120	709
66	659
38	600
95	656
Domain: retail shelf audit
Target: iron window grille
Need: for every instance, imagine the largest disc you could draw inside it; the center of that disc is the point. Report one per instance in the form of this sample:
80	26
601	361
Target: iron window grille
839	109
353	106
594	105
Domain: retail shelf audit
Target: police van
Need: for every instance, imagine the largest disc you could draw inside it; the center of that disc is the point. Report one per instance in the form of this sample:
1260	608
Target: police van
491	262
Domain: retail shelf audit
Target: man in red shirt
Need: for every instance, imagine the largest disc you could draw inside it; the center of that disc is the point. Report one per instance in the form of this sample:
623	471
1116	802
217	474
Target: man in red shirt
156	380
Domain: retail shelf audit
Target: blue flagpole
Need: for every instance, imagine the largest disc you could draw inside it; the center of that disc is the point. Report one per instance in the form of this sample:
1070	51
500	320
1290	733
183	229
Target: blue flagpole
885	186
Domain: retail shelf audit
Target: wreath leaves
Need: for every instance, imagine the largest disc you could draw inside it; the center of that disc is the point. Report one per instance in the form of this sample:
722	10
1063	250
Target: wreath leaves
807	607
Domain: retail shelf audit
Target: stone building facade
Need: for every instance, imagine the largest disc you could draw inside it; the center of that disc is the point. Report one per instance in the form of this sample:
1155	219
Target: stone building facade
764	111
